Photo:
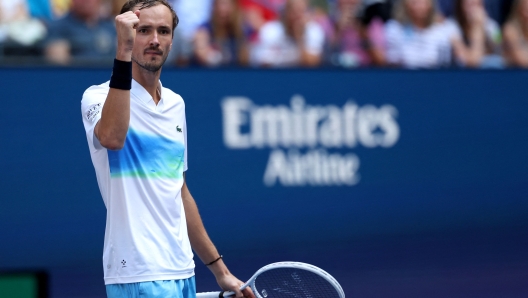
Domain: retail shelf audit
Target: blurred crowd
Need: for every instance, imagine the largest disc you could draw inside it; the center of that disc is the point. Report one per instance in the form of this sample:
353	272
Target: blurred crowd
281	33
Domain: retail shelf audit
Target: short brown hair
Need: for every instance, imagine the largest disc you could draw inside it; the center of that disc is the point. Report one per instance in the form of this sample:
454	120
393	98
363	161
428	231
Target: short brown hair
130	4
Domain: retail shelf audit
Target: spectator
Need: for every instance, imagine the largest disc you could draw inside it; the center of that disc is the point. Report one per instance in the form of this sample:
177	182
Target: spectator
258	12
292	41
516	35
81	35
477	37
355	43
19	33
496	9
376	9
194	13
10	11
415	38
223	40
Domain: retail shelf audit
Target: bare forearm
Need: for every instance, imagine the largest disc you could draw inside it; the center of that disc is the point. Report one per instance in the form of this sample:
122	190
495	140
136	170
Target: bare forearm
517	55
200	241
307	59
205	249
466	55
377	56
112	129
477	47
203	51
521	58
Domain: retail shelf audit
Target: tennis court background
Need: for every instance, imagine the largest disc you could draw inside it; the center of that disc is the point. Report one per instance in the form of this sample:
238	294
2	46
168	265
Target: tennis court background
439	211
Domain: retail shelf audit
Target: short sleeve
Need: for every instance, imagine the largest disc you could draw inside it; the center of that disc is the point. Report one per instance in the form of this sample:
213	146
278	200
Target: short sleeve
91	108
314	38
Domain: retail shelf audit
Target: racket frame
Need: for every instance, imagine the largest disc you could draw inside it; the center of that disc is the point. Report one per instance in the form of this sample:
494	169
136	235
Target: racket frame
298	265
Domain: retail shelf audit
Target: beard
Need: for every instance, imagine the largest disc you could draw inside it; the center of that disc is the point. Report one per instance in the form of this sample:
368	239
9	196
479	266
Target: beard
153	65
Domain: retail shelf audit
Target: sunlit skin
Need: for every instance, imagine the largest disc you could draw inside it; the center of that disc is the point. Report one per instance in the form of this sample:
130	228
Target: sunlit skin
153	40
418	11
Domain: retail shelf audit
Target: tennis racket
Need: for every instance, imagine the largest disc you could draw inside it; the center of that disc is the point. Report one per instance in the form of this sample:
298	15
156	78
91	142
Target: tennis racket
288	280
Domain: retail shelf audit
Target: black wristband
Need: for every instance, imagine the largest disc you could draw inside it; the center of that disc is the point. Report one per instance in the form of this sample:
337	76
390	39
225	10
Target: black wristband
208	264
121	75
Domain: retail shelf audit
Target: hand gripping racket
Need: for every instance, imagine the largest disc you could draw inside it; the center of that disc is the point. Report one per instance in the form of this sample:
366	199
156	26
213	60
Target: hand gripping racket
288	280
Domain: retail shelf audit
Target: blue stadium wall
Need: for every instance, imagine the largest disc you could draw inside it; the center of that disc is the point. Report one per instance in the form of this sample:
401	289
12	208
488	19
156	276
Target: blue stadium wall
281	163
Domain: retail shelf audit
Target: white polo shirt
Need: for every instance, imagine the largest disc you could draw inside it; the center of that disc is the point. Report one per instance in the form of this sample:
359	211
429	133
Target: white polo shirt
146	231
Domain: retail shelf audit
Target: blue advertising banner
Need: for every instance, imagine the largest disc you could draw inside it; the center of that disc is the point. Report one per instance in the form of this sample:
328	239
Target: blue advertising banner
279	161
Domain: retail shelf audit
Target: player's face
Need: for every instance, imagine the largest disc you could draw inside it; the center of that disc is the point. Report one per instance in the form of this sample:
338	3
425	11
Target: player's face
153	38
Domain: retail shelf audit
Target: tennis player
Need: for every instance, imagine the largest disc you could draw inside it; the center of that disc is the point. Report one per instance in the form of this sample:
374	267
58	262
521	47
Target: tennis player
137	137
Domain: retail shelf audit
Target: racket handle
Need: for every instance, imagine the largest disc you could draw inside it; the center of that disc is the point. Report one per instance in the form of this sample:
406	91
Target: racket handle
215	294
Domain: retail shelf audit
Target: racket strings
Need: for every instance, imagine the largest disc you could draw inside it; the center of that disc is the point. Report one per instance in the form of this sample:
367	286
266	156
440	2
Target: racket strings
293	283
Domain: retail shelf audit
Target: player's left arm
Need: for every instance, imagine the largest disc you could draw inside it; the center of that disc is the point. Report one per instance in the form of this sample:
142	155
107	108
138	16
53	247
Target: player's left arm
205	249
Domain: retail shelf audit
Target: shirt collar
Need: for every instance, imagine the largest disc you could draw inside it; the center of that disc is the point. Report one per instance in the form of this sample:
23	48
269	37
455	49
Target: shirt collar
141	93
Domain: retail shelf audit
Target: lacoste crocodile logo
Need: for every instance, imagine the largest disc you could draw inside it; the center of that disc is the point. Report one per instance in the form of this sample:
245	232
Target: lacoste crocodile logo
178	129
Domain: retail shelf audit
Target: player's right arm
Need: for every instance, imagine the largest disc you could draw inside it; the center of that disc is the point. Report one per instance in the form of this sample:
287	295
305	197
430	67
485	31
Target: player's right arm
112	128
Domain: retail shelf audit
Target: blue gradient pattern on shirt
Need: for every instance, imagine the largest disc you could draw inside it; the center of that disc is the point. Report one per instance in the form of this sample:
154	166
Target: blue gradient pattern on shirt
147	156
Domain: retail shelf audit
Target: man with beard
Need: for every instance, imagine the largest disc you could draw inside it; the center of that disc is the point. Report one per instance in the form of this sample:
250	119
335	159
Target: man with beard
137	136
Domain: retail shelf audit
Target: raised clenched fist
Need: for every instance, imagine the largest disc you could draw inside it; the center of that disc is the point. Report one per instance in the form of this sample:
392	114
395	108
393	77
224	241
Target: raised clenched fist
126	25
